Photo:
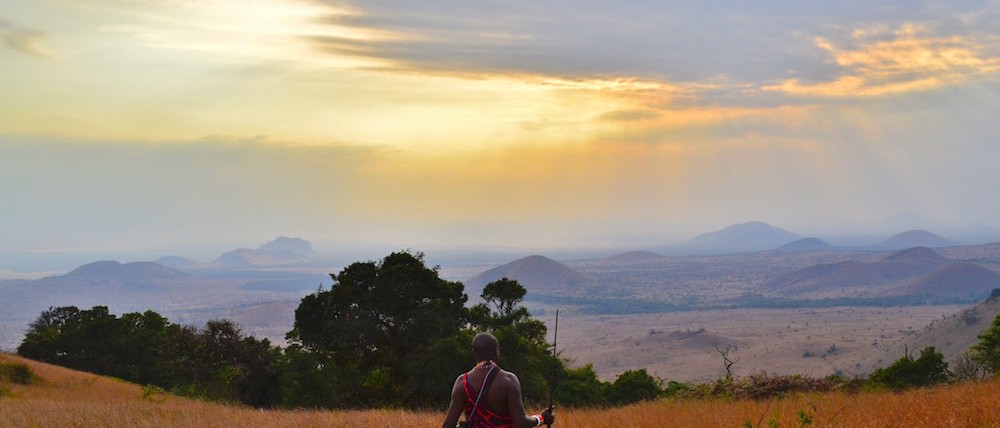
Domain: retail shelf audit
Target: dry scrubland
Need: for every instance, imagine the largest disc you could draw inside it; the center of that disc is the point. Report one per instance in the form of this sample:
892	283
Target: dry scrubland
66	398
680	345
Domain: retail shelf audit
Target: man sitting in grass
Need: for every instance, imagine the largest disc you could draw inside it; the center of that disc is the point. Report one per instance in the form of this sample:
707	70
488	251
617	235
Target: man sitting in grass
500	405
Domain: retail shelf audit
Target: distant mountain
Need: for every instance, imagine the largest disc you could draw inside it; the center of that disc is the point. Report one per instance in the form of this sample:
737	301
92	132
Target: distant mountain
176	262
745	237
285	244
282	251
914	238
633	256
245	258
956	279
806	244
103	282
136	271
906	221
535	273
854	277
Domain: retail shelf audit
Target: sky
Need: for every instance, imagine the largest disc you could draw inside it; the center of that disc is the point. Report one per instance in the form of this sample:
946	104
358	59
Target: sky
130	124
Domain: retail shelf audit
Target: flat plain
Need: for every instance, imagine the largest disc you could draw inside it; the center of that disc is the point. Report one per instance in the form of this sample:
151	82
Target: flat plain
681	345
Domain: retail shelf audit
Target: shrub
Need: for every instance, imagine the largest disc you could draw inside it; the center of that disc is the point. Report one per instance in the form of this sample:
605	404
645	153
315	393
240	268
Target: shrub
928	369
17	373
634	386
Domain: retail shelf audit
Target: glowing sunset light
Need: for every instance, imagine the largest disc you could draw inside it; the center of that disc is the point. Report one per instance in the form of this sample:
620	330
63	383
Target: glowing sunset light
514	123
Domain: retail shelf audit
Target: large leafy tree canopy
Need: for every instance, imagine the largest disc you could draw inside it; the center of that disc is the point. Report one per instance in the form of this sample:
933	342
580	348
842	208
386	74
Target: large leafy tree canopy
375	312
376	319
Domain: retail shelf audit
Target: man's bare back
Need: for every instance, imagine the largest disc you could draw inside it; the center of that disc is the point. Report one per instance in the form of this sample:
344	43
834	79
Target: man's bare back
503	397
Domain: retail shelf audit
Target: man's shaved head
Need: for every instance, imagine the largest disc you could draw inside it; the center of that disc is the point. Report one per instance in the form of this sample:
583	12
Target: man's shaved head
485	347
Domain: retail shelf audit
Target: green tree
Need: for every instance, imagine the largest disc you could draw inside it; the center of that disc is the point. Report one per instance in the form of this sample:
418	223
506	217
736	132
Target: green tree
986	351
926	370
376	318
219	362
634	386
504	295
523	348
82	340
580	387
43	340
141	348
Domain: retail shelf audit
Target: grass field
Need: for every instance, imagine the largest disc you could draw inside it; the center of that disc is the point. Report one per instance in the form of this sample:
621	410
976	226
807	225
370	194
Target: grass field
66	398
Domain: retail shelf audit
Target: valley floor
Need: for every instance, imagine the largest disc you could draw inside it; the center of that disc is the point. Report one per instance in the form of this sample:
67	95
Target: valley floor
681	345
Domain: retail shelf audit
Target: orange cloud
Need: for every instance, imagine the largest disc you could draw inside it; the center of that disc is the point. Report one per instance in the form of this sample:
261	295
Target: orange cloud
909	61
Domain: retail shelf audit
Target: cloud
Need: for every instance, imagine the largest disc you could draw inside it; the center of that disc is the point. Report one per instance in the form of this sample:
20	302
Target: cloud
629	115
909	59
23	40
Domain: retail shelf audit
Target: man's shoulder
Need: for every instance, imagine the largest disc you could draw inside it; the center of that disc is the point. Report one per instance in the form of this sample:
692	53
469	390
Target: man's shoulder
508	377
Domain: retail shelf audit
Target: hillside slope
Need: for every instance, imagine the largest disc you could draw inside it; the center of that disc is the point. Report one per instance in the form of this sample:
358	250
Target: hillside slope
67	398
952	336
956	279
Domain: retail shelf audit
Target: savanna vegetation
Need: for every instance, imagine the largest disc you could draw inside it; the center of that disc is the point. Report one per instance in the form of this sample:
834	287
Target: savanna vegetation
67	398
393	334
385	334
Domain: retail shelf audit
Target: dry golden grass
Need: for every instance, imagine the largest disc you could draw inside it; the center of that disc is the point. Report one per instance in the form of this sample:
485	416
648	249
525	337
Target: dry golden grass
67	398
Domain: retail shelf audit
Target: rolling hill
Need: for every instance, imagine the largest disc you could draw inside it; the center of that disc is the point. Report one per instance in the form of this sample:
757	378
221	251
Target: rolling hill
535	273
957	279
854	278
128	272
61	397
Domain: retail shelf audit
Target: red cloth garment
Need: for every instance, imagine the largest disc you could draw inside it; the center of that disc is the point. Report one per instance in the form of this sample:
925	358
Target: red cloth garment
484	416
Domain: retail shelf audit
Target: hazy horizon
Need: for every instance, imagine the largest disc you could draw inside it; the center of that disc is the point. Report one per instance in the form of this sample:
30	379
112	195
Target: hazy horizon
193	125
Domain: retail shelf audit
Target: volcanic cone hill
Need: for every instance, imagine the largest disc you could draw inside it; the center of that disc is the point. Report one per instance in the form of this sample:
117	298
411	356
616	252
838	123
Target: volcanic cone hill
914	238
535	273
